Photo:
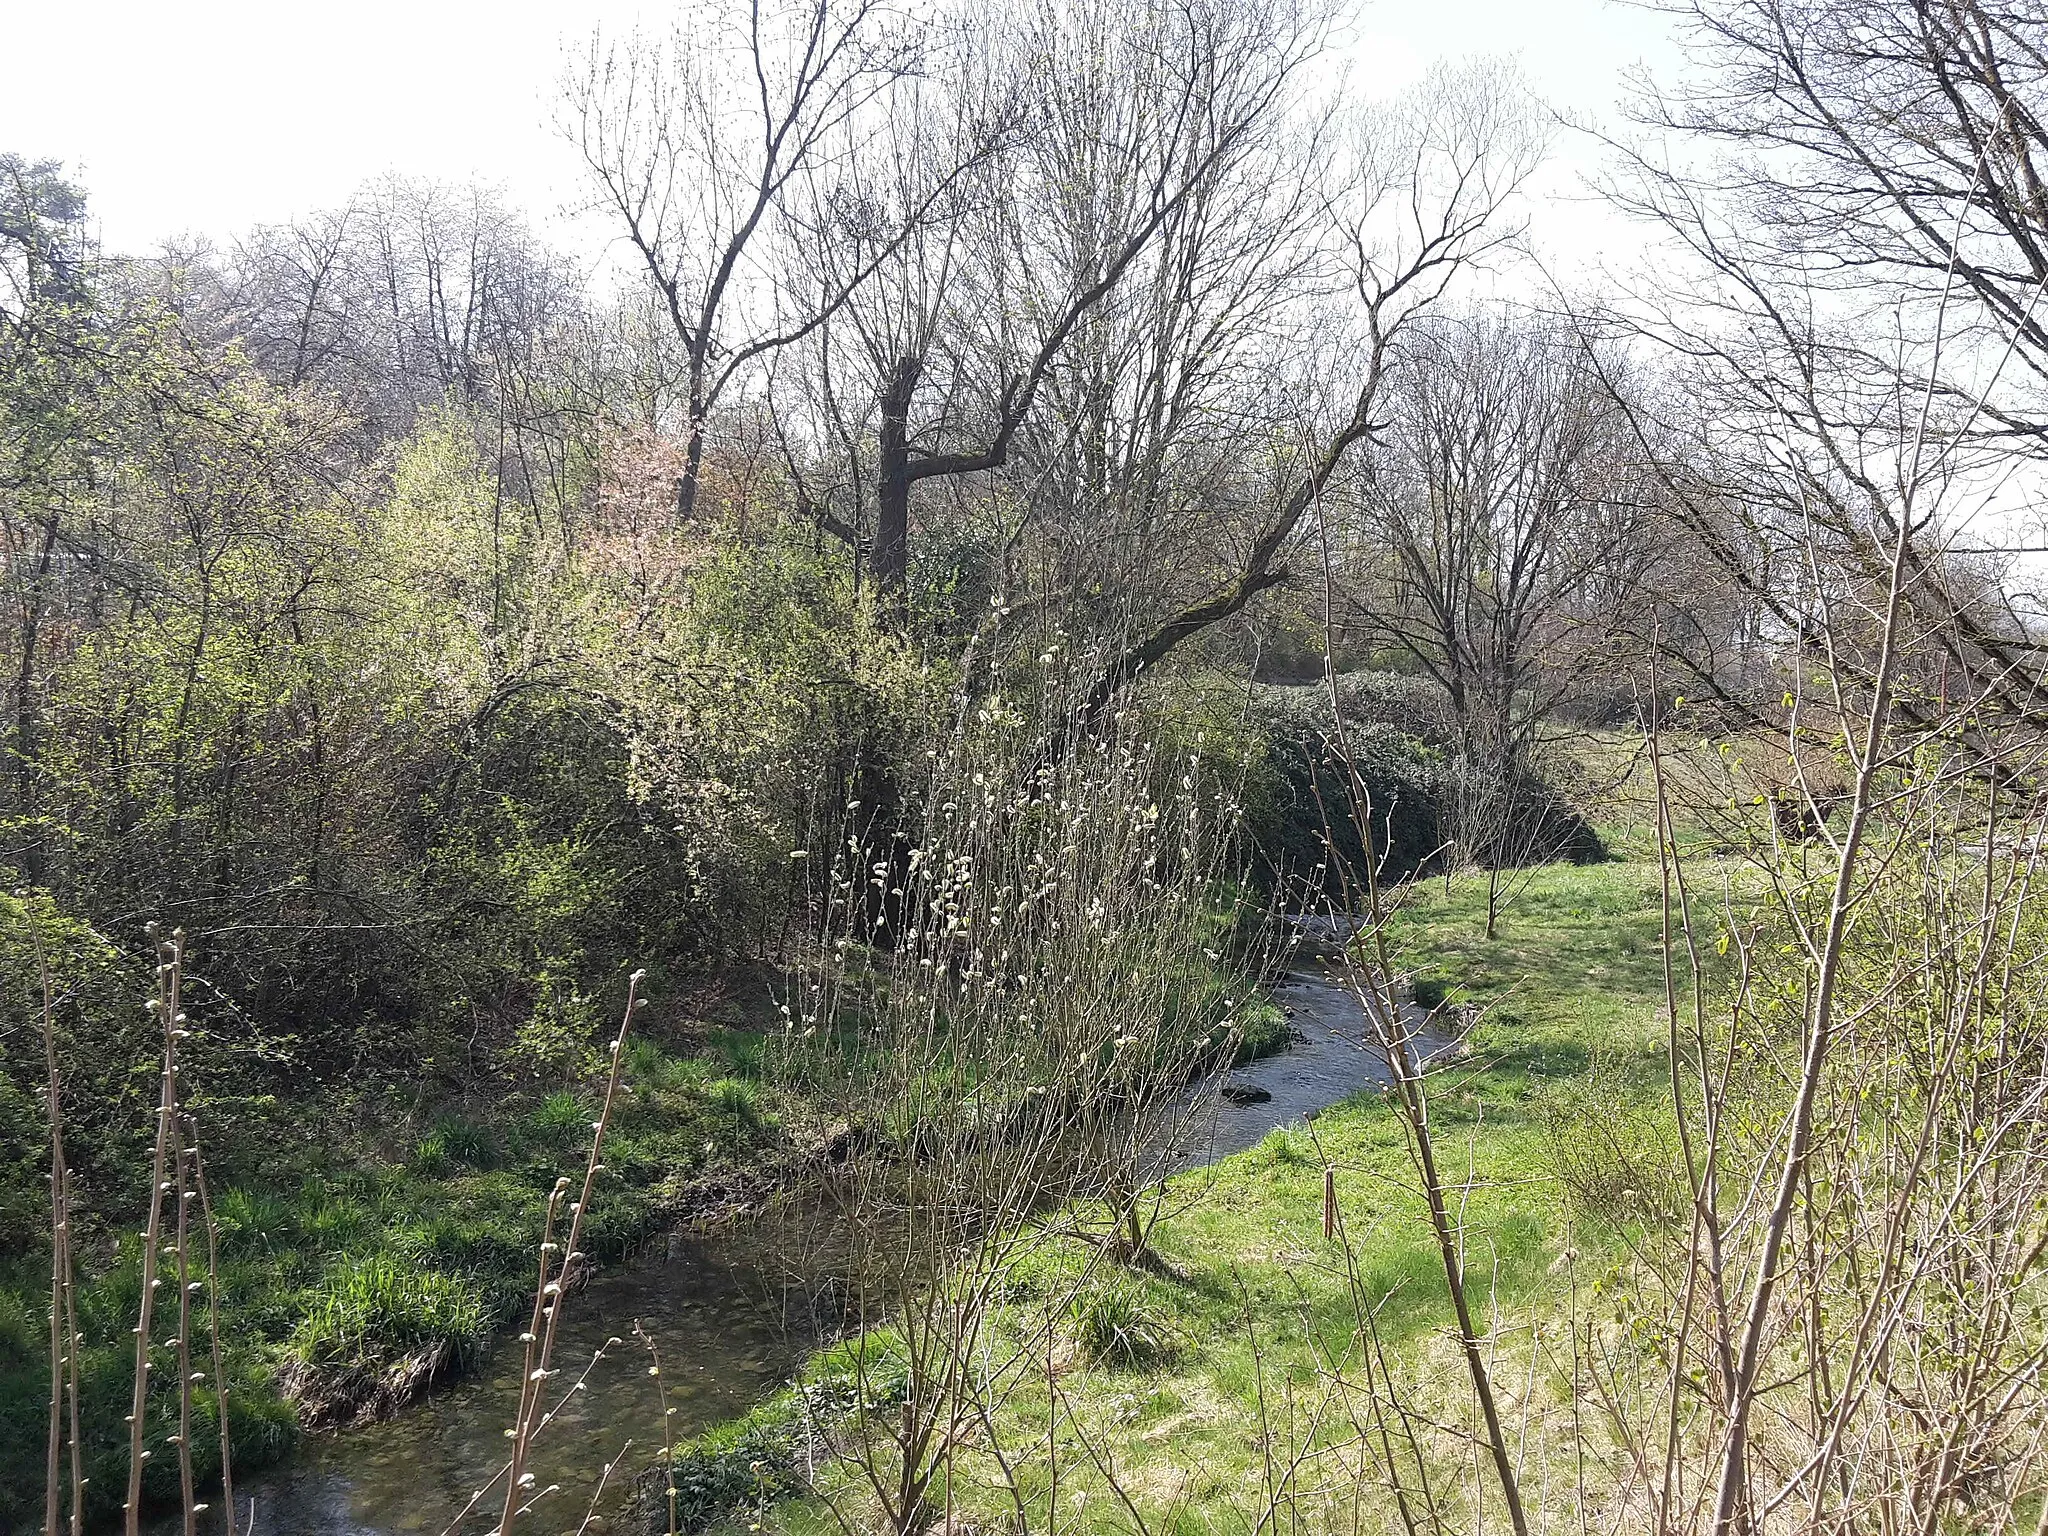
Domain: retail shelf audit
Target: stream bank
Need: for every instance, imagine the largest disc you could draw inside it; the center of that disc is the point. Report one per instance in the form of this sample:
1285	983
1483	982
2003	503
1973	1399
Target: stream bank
732	1324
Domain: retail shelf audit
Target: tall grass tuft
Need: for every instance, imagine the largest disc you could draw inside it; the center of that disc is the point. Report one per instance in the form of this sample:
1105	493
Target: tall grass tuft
1113	1327
369	1308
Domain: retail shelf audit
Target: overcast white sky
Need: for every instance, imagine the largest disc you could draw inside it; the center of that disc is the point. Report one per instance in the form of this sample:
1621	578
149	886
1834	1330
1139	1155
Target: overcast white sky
208	116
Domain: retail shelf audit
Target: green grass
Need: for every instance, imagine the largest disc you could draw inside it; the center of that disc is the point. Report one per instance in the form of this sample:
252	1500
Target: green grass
368	1307
1572	992
347	1256
1575	971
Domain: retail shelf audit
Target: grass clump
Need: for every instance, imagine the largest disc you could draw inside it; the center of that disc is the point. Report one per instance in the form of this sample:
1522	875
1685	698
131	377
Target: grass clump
377	1308
1115	1327
555	1126
1262	1030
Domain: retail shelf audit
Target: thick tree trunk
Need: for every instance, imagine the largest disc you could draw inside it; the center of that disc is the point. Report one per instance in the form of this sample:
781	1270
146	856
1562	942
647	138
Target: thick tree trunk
693	464
892	489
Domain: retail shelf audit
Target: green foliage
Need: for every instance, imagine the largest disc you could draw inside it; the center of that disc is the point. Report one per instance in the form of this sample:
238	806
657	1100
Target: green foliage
349	1264
1115	1327
430	1157
20	1334
738	1100
263	1427
426	760
377	1308
758	693
1262	1030
106	1050
1297	785
1168	1373
465	1142
744	1465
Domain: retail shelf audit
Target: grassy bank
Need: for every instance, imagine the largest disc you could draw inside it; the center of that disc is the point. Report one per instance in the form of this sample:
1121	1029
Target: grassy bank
1166	1376
370	1249
367	1258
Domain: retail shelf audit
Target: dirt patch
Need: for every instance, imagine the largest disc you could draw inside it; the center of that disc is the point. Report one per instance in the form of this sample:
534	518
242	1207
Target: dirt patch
343	1396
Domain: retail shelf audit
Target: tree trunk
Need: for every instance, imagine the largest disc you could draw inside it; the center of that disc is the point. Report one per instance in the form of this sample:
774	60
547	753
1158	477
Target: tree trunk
686	488
27	745
892	491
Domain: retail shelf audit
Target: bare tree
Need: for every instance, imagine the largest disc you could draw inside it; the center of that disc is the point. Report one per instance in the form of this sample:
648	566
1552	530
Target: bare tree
1847	302
1852	232
413	293
1507	493
1115	204
1419	196
698	141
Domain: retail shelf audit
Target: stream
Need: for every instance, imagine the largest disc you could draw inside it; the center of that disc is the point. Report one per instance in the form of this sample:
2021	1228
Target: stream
713	1314
728	1330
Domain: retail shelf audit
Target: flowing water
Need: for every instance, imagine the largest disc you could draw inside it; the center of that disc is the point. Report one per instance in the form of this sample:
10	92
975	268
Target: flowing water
1332	1057
726	1340
729	1329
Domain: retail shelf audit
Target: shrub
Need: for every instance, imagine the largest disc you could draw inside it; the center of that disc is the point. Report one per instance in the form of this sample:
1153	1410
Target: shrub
745	1465
1615	1150
1403	751
1300	778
